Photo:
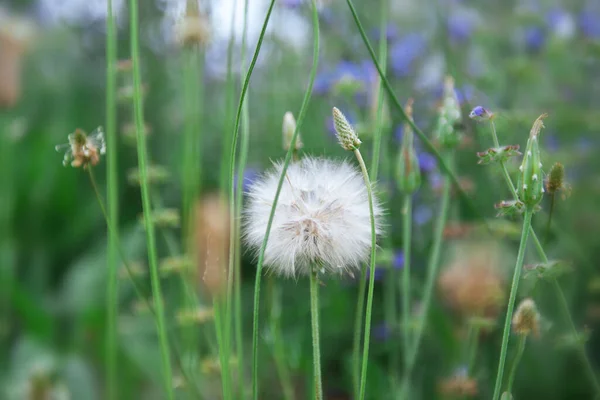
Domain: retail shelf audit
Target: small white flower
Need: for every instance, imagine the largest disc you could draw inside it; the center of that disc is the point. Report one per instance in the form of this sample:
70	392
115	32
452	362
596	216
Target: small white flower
321	221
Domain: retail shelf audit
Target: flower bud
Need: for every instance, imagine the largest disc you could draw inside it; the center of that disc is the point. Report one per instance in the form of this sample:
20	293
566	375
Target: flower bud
480	114
449	116
289	127
345	133
526	319
531	184
408	174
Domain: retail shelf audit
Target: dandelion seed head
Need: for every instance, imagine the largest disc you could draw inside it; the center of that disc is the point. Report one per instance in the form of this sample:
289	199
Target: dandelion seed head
322	218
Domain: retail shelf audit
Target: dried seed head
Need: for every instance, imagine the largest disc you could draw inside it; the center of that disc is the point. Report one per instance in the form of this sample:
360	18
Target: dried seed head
531	186
408	173
345	133
473	285
556	181
193	29
526	319
83	149
289	127
211	242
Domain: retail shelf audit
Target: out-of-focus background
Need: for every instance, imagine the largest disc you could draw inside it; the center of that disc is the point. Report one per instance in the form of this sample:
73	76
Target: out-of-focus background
518	59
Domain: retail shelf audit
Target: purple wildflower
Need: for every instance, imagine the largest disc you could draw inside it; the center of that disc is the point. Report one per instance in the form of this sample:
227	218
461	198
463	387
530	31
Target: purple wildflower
460	26
398	261
479	113
534	38
405	52
427	162
422	214
381	332
561	23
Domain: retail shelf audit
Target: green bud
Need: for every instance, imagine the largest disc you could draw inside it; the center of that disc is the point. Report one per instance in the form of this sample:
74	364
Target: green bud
345	133
531	182
408	174
449	116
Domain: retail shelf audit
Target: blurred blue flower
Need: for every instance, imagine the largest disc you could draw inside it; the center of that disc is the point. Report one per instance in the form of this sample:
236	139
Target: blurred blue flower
589	23
391	32
381	332
551	142
405	52
460	26
379	273
534	38
360	75
250	175
422	214
398	261
291	3
427	162
561	23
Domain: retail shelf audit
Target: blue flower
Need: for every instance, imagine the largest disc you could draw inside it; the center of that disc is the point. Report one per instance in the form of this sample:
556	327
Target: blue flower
561	23
534	38
589	23
427	162
460	26
381	332
398	261
480	114
422	215
391	33
405	52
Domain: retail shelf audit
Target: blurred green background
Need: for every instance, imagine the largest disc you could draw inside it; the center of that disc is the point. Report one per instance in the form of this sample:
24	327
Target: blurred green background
517	59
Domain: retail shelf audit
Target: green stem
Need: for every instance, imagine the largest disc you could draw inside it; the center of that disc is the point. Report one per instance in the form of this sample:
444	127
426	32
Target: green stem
432	272
314	319
286	162
515	364
234	278
278	346
559	293
358	320
511	300
365	359
113	202
396	103
146	206
473	345
406	241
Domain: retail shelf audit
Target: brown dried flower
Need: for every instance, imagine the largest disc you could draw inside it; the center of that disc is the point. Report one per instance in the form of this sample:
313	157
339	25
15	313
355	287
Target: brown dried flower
211	242
83	149
526	319
472	285
459	385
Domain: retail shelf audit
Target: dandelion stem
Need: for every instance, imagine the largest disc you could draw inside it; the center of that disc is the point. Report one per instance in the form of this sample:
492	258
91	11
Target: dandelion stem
432	272
377	140
286	162
314	318
406	239
511	300
235	262
365	359
147	208
515	364
112	193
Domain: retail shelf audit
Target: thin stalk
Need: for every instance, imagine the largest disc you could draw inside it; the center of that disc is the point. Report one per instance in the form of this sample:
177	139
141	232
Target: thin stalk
235	261
406	241
365	359
112	294
559	292
288	156
511	301
314	322
377	140
278	346
516	361
396	103
432	272
146	206
473	345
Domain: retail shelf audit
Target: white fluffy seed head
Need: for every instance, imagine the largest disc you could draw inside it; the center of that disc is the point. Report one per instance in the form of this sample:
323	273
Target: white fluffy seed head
322	218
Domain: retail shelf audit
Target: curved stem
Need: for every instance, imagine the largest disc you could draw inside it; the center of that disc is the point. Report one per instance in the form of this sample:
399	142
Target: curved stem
286	162
146	206
365	359
515	364
406	239
511	301
112	294
314	319
432	272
